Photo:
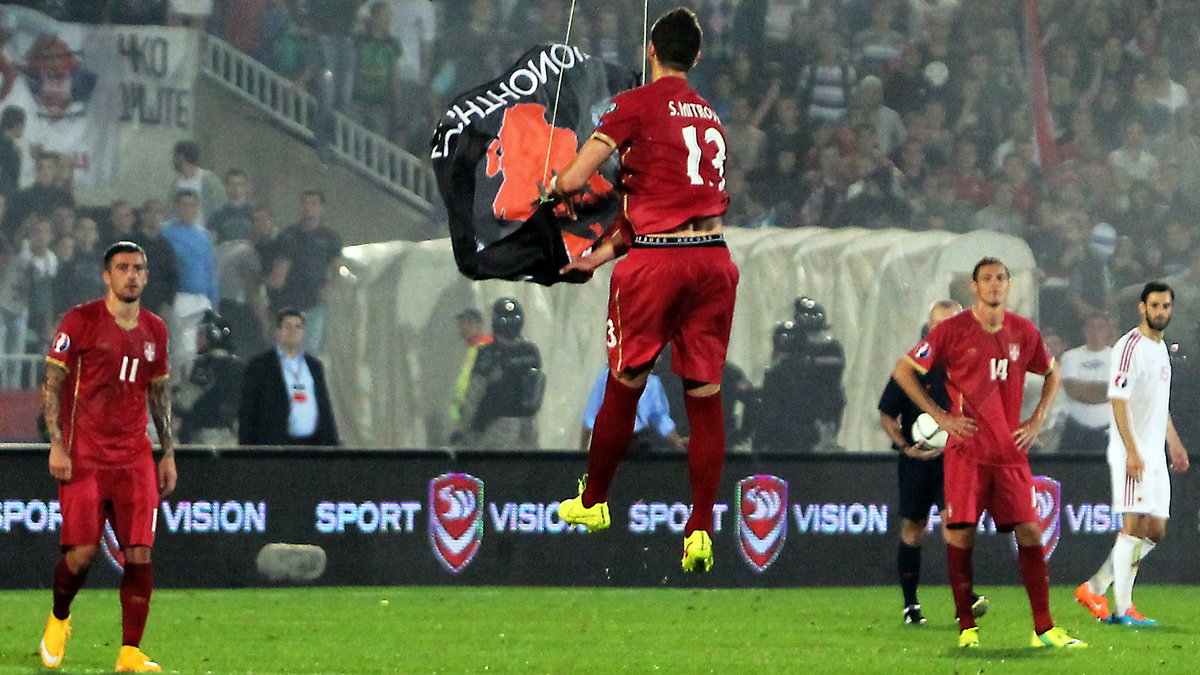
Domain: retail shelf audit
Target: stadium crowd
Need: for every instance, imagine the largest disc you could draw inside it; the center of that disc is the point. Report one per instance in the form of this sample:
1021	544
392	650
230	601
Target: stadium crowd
913	114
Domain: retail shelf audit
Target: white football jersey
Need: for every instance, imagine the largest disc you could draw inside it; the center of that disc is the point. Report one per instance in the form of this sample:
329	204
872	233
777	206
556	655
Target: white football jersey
1140	373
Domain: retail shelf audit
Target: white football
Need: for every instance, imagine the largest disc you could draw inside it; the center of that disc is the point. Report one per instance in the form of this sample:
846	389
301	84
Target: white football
926	430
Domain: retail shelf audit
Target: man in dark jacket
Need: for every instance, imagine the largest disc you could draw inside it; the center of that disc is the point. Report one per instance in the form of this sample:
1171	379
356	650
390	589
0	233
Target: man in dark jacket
284	397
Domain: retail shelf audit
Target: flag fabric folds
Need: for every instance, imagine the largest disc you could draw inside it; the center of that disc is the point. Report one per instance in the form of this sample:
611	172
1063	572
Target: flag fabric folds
498	141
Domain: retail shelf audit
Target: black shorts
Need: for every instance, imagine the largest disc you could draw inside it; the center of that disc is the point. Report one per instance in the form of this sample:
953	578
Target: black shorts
920	487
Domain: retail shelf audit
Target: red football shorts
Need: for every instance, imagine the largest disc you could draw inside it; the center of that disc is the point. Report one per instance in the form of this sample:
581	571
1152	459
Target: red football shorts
126	497
681	295
1006	492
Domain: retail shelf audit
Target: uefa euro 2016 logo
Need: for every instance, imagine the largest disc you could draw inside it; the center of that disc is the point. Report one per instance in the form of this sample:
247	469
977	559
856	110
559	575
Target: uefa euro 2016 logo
762	519
455	519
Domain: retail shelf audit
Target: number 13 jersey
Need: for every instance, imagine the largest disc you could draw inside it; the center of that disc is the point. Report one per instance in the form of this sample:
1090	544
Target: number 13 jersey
672	150
109	372
985	379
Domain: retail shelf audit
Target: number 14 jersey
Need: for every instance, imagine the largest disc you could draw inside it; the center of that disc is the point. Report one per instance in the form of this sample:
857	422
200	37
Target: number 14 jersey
109	371
672	150
985	378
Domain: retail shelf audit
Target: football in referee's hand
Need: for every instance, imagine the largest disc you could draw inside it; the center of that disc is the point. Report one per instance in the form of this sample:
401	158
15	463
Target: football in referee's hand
926	432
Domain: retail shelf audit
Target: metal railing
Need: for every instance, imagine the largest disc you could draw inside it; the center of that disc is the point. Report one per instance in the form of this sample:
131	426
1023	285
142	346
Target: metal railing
389	165
21	371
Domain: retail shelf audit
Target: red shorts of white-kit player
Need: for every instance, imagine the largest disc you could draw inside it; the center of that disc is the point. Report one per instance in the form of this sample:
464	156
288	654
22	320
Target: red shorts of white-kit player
679	291
1006	492
126	497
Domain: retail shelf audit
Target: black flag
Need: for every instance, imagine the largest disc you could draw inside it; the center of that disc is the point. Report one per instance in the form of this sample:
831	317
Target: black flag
490	153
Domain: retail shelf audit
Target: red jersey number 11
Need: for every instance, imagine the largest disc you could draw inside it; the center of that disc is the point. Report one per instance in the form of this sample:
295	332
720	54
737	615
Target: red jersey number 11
129	369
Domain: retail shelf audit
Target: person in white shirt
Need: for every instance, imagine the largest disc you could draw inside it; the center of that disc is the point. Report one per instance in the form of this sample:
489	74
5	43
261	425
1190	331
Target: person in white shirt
1085	379
1139	389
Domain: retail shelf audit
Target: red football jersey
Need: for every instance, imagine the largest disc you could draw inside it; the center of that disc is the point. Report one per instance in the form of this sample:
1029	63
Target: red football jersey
109	371
985	378
672	149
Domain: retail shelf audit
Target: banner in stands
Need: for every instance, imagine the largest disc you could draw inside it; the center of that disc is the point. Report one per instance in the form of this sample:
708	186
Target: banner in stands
79	85
396	518
498	141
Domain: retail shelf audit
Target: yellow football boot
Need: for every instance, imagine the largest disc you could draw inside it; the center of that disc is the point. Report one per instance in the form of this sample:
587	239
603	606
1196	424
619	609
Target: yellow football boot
697	552
54	641
594	517
132	660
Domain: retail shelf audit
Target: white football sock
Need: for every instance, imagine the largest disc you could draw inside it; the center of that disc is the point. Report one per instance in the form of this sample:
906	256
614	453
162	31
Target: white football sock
1127	556
1103	578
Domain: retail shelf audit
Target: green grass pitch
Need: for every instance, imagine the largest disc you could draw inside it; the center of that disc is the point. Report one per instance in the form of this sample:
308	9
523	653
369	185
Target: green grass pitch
589	630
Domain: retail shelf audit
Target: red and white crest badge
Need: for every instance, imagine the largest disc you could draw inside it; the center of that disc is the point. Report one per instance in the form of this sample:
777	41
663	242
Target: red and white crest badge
1047	499
149	350
762	519
455	519
1014	351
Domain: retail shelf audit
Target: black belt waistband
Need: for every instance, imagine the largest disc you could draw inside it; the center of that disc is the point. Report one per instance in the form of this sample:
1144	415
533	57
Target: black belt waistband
651	241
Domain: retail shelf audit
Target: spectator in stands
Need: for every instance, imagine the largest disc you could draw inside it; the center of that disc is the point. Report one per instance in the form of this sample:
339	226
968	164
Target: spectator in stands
506	388
12	128
872	203
40	198
905	89
142	229
198	281
307	257
297	52
889	127
78	261
334	21
189	13
376	71
240	24
237	206
414	24
285	400
826	83
1001	216
653	428
470	328
1132	159
742	133
264	235
1181	147
1090	277
190	176
14	306
970	183
42	267
243	303
877	46
1085	373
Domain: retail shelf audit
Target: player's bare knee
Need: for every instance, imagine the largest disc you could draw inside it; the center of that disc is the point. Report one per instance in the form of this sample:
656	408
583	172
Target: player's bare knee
700	389
912	532
962	537
80	558
138	555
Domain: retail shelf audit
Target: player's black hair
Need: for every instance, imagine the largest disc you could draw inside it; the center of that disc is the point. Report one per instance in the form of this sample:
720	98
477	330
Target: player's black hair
1157	287
285	313
984	262
121	247
313	192
676	37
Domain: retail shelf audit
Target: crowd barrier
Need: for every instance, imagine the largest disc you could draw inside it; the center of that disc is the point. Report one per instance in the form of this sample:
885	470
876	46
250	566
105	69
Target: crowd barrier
439	518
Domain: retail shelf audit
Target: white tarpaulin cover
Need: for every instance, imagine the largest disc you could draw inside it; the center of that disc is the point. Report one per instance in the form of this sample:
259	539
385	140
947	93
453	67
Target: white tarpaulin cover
393	350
